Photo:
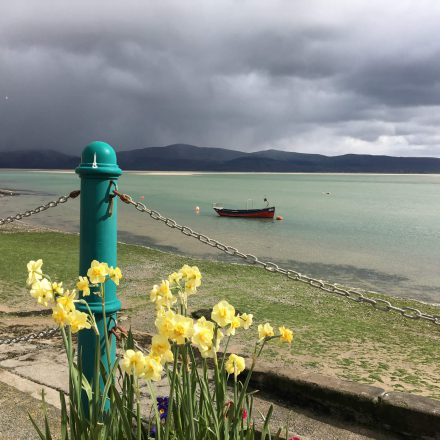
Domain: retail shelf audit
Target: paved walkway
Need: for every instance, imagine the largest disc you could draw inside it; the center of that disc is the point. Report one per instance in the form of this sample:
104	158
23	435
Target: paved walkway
27	368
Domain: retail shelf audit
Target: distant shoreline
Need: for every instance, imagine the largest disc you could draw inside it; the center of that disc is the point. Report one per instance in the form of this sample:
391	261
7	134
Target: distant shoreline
195	173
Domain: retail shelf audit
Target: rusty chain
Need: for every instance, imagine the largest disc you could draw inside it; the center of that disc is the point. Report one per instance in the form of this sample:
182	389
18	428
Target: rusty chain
52	204
30	337
355	295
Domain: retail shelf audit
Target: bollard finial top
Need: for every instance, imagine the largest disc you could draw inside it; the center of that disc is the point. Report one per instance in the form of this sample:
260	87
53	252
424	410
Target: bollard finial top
99	158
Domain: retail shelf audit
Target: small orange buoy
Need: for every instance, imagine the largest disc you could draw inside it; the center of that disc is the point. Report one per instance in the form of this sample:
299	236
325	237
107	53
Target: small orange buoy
279	217
142	197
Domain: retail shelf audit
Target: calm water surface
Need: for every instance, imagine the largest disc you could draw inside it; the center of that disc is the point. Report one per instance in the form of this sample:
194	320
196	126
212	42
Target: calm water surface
375	232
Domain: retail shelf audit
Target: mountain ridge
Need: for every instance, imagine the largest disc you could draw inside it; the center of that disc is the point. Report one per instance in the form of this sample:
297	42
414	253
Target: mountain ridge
186	157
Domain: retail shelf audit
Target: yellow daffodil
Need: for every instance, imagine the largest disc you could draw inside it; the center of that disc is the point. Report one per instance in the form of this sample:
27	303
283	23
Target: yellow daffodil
223	313
286	335
191	273
185	271
78	321
60	315
167	357
165	322
196	274
265	331
83	286
97	272
208	353
236	322
183	329
157	358
67	300
161	348
160	344
115	274
152	368
35	273
194	281
133	362
203	334
174	279
234	365
161	295
154	293
164	288
186	274
191	287
58	288
213	349
246	320
166	302
42	291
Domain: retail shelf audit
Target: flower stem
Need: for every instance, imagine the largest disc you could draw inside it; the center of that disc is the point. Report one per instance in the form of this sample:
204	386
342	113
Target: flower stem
106	338
171	395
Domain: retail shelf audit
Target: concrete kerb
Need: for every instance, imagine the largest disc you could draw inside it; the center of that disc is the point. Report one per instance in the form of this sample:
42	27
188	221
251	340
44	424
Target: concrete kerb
410	414
402	413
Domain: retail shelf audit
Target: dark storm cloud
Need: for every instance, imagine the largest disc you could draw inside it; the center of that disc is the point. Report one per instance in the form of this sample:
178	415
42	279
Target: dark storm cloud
399	82
312	76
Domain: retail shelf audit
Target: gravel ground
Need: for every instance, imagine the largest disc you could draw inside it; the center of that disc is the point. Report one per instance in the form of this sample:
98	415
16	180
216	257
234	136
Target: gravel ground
14	414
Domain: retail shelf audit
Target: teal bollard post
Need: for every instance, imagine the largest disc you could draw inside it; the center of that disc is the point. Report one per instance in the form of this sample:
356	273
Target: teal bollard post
99	172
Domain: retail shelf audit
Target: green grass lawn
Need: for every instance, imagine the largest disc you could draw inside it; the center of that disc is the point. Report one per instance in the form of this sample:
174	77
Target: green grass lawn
333	336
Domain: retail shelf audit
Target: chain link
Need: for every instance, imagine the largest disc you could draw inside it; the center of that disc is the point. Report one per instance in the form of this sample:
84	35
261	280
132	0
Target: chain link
52	204
39	335
354	295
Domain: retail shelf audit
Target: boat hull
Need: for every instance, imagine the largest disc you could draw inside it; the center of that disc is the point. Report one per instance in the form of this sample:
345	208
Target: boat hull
246	213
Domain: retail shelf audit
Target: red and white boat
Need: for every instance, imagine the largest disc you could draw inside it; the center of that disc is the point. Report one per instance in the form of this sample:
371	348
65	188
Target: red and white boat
267	212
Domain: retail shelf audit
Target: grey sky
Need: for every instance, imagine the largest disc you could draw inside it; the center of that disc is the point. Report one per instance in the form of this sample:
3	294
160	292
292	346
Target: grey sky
331	77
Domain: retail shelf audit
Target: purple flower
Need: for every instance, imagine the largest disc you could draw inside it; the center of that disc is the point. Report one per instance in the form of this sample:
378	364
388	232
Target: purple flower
162	406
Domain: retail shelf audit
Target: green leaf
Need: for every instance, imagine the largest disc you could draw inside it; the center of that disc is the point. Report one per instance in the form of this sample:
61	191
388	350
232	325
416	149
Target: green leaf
122	412
46	421
265	430
64	418
109	382
87	388
42	436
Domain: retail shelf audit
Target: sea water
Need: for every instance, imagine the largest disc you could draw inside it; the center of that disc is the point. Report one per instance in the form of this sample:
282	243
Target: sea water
378	232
